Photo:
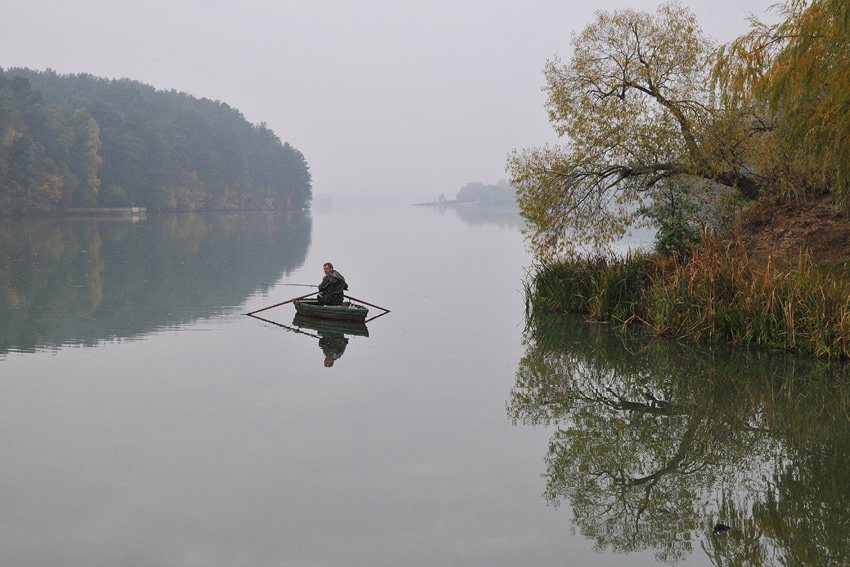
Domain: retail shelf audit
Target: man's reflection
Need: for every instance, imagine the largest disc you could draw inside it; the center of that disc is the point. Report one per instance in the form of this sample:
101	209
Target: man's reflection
333	336
333	345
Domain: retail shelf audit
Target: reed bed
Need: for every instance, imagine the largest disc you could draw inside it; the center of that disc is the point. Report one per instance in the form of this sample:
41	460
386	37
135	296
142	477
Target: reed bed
717	294
607	287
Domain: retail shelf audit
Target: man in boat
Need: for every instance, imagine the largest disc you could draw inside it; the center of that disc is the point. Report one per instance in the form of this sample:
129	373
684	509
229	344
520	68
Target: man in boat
332	287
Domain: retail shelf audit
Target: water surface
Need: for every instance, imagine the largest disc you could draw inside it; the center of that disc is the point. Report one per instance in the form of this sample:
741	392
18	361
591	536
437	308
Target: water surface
145	420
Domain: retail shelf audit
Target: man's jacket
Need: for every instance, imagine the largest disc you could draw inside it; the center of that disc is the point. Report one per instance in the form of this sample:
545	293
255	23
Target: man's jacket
332	287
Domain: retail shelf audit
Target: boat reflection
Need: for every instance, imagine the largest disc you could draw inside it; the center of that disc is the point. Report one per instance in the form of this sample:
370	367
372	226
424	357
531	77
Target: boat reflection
328	326
332	335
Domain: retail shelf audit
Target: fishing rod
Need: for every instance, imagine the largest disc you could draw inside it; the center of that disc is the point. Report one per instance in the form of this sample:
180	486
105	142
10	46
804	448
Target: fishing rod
300	284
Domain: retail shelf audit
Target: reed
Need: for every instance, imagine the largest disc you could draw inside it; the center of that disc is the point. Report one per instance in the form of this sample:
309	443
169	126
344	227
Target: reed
717	294
606	286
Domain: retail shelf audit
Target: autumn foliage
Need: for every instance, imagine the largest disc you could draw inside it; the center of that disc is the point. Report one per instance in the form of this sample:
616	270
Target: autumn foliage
798	72
656	120
69	141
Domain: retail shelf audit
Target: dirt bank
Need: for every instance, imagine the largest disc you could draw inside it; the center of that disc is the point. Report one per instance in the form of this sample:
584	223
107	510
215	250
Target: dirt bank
785	229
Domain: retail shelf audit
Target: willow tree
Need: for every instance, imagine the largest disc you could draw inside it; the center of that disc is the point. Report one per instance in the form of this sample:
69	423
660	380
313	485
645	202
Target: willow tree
798	69
635	110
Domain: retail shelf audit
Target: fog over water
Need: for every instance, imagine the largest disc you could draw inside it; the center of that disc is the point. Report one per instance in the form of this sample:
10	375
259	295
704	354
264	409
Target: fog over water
399	99
194	435
146	420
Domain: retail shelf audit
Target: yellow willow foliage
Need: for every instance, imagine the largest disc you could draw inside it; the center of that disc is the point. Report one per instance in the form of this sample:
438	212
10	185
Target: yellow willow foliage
799	70
635	111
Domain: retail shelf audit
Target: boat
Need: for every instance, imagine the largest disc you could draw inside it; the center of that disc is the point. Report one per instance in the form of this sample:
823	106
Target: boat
348	311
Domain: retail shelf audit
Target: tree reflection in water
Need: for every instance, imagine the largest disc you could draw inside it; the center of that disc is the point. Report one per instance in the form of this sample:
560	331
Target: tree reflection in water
655	442
68	280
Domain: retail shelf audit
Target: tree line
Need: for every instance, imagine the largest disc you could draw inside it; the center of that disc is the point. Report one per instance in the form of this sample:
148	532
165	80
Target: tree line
486	196
69	141
662	126
498	196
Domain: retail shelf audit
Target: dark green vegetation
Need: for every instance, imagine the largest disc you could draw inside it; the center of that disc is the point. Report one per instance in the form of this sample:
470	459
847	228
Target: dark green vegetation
716	294
67	279
80	141
655	441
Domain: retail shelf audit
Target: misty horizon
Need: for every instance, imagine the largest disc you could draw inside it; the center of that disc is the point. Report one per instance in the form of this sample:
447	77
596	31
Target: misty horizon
381	98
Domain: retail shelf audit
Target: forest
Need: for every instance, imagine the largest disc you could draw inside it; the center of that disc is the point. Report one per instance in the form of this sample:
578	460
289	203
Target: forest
79	141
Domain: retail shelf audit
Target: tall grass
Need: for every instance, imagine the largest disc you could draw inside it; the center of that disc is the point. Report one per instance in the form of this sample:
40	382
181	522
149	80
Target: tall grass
608	287
717	294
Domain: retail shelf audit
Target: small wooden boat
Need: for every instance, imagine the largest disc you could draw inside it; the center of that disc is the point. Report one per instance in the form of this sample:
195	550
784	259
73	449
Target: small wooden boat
348	311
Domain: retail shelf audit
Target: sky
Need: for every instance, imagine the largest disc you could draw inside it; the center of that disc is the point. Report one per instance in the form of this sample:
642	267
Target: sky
390	98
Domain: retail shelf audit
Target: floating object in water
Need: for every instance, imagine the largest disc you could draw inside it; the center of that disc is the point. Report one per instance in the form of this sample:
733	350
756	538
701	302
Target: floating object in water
723	529
325	326
348	311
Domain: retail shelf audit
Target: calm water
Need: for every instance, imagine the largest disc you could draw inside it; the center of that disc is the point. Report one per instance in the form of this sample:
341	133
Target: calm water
146	421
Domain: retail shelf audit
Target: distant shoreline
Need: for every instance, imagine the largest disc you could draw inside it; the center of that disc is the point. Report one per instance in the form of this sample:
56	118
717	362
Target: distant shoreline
445	204
105	211
465	204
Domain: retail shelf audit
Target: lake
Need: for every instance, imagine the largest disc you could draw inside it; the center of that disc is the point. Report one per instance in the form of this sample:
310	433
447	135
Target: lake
147	421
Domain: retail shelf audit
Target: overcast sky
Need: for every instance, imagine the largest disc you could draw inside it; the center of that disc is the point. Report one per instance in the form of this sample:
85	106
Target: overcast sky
382	96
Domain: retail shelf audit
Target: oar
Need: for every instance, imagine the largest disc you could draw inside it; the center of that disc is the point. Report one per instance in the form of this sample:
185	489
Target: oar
282	303
367	303
287	327
375	317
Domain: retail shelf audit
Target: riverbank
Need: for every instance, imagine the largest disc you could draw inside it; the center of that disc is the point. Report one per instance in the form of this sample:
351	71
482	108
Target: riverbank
781	281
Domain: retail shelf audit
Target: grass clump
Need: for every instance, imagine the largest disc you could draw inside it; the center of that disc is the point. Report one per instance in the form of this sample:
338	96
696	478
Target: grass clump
606	286
716	294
